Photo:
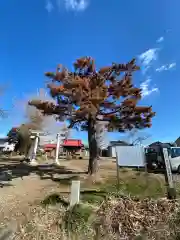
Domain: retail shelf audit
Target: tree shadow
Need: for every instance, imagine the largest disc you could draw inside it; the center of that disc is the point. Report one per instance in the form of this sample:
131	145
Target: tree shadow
11	169
53	199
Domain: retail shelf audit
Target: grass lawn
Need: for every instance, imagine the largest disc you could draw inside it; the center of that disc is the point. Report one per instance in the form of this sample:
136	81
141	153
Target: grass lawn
132	182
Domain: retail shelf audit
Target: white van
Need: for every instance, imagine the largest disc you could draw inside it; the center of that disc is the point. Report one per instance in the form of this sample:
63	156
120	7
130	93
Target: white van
154	157
174	155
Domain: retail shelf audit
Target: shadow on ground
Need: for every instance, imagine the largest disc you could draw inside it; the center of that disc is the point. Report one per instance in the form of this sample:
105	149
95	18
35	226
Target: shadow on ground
11	169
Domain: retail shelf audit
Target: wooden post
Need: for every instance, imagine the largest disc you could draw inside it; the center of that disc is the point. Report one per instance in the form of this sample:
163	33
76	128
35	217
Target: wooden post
117	170
75	193
57	149
145	161
171	191
145	167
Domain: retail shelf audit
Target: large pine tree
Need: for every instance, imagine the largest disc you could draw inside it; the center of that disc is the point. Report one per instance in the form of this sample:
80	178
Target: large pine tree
86	96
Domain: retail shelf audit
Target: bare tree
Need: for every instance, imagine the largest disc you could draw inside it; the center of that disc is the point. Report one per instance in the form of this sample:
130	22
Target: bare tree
35	120
102	135
38	121
136	137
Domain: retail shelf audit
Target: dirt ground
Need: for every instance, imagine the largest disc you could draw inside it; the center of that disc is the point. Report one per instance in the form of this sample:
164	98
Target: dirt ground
22	185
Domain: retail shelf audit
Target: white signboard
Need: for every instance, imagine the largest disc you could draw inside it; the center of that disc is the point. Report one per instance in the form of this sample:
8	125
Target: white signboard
130	156
168	168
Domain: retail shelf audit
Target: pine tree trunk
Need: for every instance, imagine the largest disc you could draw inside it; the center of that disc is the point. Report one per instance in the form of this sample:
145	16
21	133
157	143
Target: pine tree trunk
93	149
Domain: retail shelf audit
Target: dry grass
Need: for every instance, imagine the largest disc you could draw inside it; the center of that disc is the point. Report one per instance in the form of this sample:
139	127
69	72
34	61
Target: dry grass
112	211
116	218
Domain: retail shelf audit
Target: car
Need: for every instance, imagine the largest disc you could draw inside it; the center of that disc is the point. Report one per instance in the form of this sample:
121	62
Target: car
155	160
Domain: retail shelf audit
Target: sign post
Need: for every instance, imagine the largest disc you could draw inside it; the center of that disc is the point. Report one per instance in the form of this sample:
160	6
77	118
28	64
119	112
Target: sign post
117	170
171	191
75	193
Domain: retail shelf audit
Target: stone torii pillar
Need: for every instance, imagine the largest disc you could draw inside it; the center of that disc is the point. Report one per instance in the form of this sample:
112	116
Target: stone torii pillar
57	149
34	151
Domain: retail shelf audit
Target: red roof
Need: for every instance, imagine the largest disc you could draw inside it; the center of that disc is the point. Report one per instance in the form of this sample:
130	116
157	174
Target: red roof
49	146
67	143
14	128
72	143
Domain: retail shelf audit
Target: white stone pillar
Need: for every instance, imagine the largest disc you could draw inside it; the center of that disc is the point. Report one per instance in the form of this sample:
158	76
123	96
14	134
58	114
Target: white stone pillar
75	193
33	160
57	149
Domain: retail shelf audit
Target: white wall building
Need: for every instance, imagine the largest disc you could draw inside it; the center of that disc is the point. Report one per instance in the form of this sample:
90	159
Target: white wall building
112	147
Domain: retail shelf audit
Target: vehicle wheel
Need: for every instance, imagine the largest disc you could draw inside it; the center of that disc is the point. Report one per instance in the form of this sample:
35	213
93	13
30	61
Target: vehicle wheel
178	170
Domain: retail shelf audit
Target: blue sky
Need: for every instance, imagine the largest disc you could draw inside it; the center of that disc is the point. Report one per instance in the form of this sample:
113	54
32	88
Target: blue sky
37	35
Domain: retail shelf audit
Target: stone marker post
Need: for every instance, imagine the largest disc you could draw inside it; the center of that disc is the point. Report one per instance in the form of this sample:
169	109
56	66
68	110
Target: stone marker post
75	193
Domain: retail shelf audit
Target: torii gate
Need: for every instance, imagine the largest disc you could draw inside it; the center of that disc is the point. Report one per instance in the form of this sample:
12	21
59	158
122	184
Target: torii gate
33	150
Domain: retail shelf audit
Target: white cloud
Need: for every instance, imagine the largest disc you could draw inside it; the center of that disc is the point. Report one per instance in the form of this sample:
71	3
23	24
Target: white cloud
147	60
49	6
146	90
172	65
148	57
162	68
166	67
159	40
70	5
76	5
